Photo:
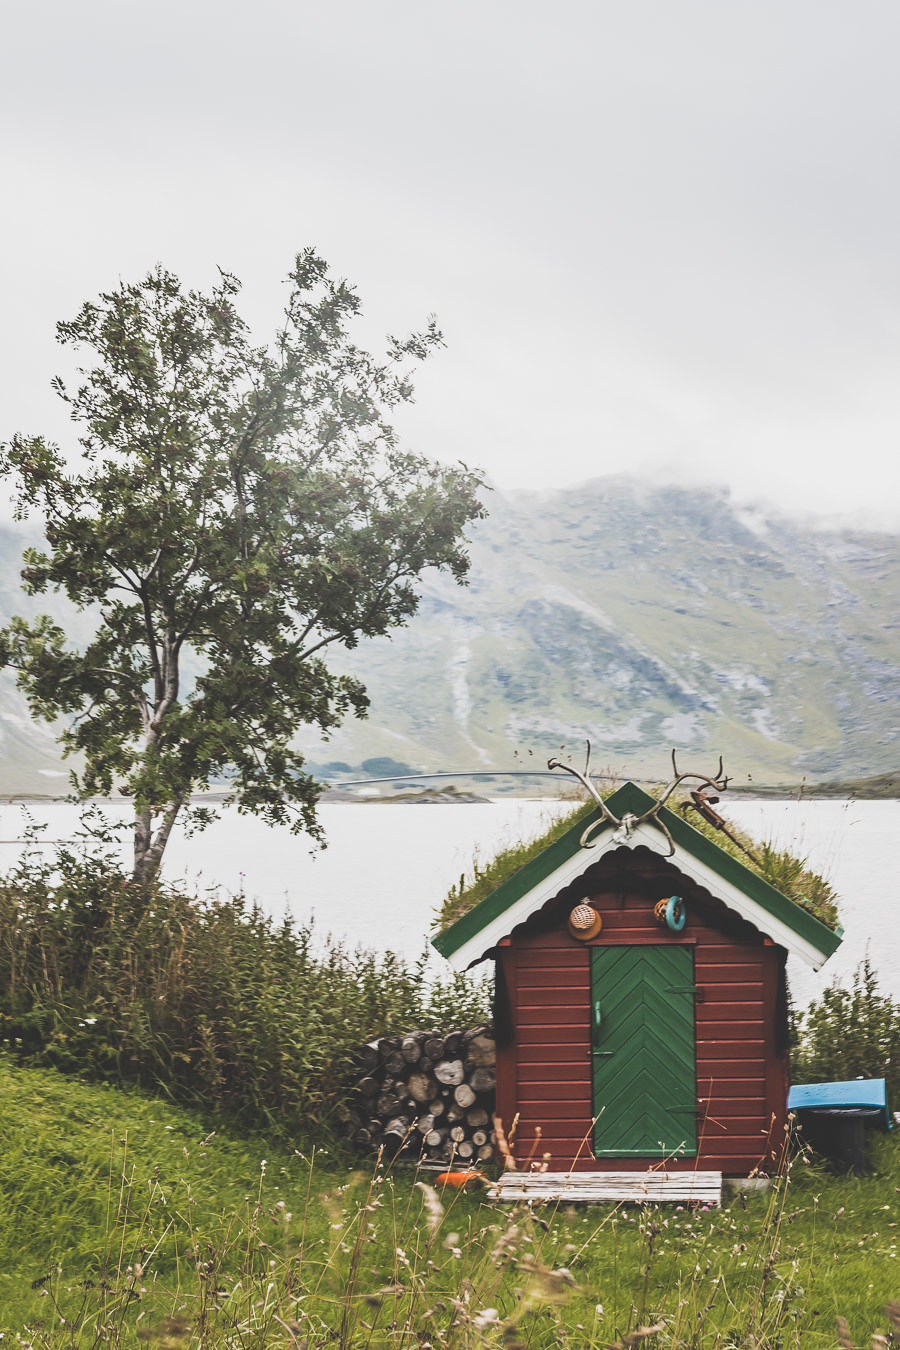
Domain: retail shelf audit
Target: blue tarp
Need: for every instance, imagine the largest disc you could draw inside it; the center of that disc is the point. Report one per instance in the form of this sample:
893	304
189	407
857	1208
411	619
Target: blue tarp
862	1094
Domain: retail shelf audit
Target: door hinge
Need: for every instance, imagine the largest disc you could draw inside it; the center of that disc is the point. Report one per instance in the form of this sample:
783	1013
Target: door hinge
695	989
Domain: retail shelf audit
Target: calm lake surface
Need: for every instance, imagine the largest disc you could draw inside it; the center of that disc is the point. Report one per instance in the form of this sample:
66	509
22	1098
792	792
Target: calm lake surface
387	867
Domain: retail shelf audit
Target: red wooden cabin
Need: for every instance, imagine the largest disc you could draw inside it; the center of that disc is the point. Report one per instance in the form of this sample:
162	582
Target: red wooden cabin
642	1041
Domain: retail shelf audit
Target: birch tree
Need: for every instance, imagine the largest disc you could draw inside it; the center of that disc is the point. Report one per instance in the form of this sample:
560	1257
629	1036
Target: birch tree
235	510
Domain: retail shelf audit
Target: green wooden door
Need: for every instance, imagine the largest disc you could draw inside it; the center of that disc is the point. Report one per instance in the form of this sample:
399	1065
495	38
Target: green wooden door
643	1051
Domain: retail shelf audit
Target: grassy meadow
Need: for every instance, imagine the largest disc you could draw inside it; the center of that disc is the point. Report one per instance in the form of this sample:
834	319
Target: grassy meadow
128	1220
173	1086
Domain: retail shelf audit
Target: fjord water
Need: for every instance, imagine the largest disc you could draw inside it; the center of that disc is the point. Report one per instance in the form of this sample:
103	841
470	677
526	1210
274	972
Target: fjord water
387	866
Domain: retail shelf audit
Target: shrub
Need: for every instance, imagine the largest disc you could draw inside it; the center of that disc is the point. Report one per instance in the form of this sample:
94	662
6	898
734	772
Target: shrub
209	1001
850	1033
382	766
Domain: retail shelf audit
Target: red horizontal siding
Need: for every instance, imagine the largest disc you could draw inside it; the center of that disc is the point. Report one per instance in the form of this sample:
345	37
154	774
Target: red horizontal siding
723	1090
560	1033
546	1074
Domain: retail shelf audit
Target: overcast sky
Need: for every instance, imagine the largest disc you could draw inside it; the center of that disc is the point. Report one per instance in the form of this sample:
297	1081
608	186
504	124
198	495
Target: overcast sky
659	235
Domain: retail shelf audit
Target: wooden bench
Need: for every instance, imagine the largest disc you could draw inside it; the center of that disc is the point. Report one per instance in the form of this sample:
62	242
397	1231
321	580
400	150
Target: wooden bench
638	1188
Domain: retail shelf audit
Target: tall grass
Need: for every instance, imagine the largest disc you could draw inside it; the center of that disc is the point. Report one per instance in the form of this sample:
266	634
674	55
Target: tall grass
153	1230
207	1001
787	871
485	877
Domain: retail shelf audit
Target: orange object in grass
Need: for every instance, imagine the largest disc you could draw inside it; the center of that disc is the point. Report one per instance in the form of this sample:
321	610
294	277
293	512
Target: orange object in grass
461	1181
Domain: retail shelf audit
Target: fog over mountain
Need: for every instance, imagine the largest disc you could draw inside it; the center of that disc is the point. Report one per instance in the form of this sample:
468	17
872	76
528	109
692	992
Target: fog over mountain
644	617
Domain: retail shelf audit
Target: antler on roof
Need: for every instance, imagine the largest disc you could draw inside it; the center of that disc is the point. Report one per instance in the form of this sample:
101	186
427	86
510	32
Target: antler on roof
626	827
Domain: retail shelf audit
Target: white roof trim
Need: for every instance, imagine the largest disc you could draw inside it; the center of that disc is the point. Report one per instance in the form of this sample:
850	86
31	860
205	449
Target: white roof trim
654	839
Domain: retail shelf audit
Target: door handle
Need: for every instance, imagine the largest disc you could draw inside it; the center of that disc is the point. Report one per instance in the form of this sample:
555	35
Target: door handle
595	1038
598	1020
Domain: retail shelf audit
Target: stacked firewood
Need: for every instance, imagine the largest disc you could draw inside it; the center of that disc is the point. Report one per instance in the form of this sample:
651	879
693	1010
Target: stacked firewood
427	1094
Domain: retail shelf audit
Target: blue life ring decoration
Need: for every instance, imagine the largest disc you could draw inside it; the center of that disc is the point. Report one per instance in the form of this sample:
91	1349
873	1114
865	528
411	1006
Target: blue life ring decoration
671	912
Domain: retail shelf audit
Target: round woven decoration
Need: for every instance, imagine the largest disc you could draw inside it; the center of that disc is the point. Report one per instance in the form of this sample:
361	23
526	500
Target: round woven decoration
584	922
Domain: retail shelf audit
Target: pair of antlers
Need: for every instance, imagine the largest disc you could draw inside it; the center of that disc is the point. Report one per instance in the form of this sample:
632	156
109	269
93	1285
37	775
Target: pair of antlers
626	827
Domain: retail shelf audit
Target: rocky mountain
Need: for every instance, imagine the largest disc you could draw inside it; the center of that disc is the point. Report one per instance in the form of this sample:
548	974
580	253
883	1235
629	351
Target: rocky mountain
644	617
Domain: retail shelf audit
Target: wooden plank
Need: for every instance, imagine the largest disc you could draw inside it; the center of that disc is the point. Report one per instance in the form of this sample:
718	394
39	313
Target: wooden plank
726	1069
563	995
749	1032
729	1085
731	954
728	1107
535	1019
540	1088
738	1051
722	996
641	1188
557	1033
741	991
570	959
554	975
544	1112
568	1050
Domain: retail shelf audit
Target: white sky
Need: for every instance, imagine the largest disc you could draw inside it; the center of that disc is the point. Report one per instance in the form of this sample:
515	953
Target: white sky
659	235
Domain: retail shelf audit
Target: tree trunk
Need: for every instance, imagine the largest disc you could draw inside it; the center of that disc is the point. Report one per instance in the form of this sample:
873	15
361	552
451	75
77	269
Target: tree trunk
149	847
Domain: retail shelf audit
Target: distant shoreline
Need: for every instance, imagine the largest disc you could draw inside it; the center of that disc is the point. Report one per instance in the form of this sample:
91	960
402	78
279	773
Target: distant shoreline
883	787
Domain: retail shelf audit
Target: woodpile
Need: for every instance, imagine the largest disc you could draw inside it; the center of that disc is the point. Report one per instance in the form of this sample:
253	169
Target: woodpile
428	1094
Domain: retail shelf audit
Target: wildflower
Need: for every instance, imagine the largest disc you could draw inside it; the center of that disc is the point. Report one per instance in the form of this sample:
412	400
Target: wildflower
433	1206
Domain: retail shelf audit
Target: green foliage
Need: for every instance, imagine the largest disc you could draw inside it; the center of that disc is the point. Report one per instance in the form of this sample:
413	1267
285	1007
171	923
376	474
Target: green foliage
208	1002
486	877
138	1224
238	510
850	1033
783	869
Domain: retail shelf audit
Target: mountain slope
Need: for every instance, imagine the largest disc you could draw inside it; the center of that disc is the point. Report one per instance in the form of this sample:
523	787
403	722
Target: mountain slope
643	617
647	618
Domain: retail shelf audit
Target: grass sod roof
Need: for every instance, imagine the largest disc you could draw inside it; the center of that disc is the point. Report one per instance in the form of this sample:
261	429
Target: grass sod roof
781	884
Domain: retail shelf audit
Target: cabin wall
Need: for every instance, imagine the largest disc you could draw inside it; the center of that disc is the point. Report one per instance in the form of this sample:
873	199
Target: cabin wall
546	1073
